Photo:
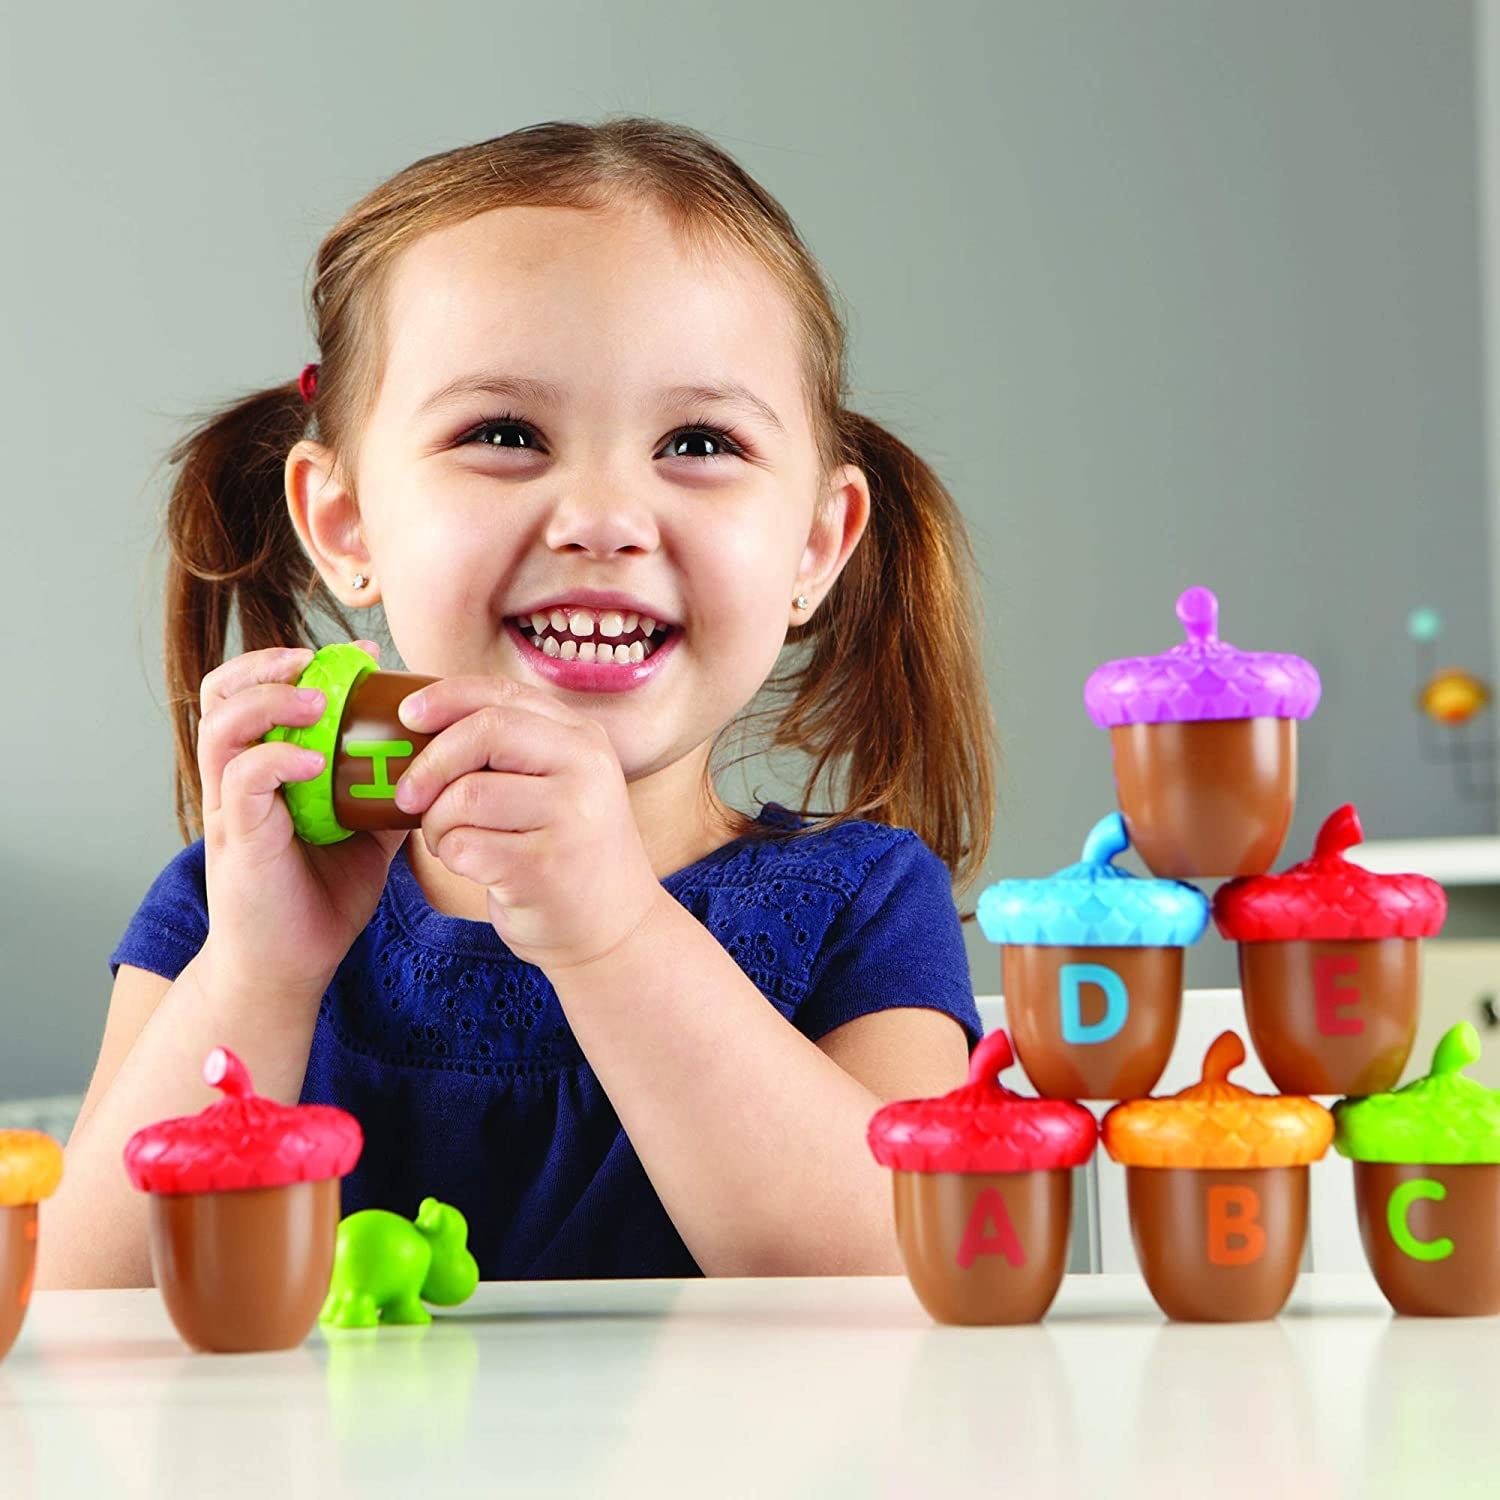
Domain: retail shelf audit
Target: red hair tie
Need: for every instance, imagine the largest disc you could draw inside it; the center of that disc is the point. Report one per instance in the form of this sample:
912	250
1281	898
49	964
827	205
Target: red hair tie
307	382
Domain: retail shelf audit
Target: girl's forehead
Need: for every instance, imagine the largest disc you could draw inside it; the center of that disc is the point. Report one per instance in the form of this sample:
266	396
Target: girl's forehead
605	307
613	284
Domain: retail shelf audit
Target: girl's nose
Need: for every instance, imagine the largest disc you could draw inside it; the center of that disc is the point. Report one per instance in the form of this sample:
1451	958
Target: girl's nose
602	521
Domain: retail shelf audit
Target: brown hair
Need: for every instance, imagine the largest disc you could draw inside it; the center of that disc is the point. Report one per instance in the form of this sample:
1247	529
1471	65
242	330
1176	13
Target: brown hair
885	680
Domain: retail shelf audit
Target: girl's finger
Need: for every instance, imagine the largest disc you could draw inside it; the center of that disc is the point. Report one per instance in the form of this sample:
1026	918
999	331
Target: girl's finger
483	802
235	723
252	780
489	739
274	664
450	699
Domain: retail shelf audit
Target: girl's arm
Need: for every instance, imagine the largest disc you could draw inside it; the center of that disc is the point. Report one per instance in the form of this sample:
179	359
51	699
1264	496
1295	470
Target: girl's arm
753	1136
93	1230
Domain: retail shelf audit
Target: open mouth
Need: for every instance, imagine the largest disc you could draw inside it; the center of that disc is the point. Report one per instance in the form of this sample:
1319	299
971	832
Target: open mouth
602	636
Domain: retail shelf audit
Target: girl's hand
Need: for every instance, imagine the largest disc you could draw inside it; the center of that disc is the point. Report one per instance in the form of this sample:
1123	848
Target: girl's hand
281	912
526	797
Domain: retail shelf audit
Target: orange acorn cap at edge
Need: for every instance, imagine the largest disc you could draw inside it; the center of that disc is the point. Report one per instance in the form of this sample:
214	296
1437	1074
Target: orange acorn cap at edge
31	1165
1216	1124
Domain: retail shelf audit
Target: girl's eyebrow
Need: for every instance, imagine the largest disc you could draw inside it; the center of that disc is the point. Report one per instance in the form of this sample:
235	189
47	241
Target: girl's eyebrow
540	392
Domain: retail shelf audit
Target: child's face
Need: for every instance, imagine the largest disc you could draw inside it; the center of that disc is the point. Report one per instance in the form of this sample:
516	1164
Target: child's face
605	487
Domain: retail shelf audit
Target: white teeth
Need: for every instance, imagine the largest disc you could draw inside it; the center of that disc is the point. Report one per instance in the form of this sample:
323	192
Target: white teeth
573	627
609	622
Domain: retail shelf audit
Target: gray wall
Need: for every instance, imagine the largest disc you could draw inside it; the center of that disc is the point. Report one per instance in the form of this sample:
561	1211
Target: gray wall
1170	292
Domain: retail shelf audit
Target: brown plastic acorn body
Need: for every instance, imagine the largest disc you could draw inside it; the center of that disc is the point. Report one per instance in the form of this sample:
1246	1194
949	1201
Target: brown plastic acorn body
1125	1065
18	1230
1021	1220
1218	1246
1449	1265
1332	1017
245	1270
1207	799
30	1168
374	750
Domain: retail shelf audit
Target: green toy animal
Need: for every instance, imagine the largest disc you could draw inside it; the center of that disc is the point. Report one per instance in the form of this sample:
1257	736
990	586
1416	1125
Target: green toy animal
385	1267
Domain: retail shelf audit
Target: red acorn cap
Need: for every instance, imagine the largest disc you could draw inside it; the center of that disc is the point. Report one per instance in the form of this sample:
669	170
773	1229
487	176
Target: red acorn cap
1328	899
983	1126
243	1141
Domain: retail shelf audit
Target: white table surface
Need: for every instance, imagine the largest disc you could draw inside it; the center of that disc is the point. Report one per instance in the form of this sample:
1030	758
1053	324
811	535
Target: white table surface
797	1387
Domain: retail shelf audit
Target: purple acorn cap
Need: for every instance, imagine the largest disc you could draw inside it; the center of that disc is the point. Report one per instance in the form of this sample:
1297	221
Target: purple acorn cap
1203	678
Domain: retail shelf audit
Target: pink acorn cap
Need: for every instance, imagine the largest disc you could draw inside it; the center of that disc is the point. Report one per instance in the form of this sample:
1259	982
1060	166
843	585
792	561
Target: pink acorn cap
983	1126
243	1141
1202	678
1329	898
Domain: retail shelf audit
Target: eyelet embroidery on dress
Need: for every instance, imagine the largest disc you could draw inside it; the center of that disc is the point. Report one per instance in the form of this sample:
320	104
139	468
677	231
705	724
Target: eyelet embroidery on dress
416	1003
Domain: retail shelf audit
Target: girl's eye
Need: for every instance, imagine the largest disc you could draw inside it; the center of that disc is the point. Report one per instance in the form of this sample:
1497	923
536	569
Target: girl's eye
491	433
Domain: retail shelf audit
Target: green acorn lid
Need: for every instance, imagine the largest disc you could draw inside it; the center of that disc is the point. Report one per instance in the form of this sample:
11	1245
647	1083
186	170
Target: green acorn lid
335	671
1444	1119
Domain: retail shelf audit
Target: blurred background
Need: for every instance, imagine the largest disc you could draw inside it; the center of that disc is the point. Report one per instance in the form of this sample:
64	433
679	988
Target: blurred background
1179	292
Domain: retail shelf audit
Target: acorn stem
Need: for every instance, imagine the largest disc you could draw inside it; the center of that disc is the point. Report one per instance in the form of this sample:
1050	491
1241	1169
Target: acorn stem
1341	830
223	1070
1225	1054
1198	610
1107	838
992	1056
1458	1047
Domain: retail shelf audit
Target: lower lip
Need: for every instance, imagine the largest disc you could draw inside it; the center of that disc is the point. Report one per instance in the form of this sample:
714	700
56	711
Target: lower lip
591	676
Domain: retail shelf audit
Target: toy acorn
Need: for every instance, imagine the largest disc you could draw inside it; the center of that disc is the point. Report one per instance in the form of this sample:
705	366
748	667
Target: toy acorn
244	1211
365	747
1204	741
31	1165
1330	964
1427	1185
1216	1181
1091	966
982	1194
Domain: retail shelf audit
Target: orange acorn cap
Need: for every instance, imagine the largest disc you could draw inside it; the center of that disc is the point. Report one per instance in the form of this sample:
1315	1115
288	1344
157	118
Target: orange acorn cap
1218	1124
31	1164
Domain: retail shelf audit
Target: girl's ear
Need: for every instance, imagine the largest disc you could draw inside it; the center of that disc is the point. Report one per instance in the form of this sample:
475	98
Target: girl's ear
838	523
324	512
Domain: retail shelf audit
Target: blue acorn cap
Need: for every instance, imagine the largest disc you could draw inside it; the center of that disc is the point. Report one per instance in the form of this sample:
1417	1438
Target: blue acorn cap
1094	905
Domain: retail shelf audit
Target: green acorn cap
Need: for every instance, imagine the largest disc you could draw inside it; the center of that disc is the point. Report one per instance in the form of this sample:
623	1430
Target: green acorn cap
1444	1119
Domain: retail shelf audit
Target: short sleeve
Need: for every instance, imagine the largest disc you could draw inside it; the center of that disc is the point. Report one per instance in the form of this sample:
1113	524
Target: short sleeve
898	942
171	922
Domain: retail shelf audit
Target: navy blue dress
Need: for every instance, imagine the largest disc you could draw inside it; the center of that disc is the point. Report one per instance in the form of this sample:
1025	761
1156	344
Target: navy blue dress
458	1062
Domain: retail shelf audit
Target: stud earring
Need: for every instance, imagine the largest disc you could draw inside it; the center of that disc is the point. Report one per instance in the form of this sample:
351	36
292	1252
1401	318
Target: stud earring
800	602
359	580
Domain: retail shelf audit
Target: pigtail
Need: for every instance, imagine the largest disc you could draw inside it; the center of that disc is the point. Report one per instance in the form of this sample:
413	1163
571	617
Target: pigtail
234	558
892	682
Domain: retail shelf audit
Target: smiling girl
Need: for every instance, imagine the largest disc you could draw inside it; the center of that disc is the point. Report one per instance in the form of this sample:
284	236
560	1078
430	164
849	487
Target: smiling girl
577	432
